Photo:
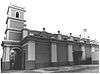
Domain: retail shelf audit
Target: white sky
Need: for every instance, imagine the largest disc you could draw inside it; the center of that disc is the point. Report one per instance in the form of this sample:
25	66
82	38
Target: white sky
65	15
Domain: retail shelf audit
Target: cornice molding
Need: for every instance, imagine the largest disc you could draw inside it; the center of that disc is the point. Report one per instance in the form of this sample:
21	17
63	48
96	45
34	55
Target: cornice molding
14	19
12	29
16	7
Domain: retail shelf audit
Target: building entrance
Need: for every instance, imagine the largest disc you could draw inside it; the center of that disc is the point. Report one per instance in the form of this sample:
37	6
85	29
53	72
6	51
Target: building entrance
15	59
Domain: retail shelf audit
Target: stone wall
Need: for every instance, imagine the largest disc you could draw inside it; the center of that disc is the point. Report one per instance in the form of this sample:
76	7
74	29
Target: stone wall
15	24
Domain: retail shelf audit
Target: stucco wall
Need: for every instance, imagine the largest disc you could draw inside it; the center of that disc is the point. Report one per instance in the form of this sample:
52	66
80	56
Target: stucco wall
12	12
42	52
88	51
95	53
16	24
14	35
25	33
62	52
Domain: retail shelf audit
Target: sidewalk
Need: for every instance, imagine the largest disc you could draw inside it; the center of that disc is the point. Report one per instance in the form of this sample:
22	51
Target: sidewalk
64	68
53	69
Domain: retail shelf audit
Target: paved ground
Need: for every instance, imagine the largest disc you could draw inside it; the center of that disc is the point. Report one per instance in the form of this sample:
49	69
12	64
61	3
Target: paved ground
89	69
61	69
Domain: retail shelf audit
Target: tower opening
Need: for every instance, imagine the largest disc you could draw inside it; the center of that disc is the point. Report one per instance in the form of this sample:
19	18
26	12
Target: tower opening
17	14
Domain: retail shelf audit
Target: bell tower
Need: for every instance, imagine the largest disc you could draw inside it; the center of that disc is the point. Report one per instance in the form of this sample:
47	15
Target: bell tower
15	23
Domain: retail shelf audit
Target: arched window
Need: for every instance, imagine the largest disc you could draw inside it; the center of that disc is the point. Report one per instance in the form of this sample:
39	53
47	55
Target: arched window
17	14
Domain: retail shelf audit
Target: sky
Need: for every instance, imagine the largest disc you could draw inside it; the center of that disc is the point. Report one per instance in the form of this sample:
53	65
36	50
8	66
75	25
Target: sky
68	16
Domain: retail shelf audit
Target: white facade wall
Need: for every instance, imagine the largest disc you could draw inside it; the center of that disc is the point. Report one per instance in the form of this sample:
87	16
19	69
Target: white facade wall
59	37
25	33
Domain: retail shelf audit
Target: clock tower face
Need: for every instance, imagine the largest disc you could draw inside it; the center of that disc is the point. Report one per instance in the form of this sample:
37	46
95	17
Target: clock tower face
15	22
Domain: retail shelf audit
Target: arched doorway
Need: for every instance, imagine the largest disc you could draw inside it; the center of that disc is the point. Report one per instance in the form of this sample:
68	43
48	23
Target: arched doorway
15	58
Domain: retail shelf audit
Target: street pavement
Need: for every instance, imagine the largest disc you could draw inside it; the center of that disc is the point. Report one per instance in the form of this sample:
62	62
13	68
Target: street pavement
88	70
61	69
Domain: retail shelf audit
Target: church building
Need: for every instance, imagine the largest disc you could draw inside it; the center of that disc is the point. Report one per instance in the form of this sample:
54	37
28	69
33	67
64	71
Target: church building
31	49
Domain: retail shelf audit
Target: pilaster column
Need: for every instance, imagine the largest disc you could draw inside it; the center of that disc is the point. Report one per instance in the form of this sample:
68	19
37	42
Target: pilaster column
53	52
31	50
83	53
70	53
30	61
7	54
5	60
25	33
4	55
